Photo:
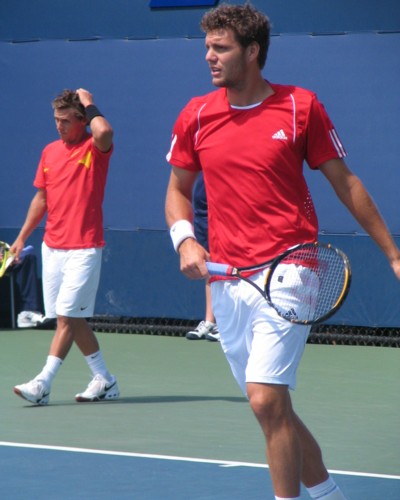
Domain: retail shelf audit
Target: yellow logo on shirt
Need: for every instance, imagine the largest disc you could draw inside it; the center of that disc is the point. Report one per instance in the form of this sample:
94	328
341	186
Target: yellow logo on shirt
86	160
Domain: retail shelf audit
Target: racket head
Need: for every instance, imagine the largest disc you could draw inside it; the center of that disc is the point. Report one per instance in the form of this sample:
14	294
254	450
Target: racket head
308	283
6	257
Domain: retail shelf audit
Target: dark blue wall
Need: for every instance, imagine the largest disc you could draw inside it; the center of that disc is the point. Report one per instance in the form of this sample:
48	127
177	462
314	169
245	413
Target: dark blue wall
142	85
85	19
142	69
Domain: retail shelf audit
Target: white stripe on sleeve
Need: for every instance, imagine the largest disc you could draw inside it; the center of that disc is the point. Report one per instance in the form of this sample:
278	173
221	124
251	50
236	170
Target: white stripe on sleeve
336	142
294	117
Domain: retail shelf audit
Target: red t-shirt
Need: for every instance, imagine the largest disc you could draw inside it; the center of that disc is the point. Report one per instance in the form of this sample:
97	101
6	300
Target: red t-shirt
74	177
252	159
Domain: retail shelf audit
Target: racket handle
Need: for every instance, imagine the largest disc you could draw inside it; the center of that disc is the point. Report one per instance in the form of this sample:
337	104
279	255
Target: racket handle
216	269
26	251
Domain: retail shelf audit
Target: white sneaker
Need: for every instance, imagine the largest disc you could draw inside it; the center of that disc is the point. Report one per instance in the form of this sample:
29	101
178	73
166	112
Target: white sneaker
201	331
99	389
29	319
35	391
213	335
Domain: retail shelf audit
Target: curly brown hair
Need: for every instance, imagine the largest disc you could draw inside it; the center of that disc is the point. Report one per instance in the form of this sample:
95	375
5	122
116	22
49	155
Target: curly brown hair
247	24
69	99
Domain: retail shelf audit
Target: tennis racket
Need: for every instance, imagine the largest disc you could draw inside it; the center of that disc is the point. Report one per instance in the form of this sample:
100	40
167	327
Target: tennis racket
306	284
7	258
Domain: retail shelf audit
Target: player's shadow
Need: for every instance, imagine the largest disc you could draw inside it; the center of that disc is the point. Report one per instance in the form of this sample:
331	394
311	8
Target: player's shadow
146	400
176	399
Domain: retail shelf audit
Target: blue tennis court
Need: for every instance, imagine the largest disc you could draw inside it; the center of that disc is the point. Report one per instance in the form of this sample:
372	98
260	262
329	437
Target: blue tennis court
66	473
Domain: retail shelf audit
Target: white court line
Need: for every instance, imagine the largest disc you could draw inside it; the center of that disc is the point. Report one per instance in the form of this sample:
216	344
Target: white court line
222	463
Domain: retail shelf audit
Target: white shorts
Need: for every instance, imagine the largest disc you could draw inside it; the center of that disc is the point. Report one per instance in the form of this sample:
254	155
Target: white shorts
70	281
260	346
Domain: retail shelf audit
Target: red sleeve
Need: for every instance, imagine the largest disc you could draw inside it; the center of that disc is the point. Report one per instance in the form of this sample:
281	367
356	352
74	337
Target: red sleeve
323	142
182	153
39	181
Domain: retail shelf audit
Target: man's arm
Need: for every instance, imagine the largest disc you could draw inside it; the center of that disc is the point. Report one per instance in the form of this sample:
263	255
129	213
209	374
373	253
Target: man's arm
178	207
178	203
351	191
102	131
36	211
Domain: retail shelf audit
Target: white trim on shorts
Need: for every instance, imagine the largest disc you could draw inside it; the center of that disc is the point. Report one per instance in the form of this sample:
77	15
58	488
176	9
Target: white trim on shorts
260	346
70	281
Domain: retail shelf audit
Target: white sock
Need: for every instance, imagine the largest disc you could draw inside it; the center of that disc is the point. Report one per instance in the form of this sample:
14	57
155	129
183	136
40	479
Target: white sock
287	498
97	365
328	490
49	370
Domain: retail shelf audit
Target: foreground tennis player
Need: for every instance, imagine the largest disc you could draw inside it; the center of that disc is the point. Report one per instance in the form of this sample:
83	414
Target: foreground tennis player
71	179
250	138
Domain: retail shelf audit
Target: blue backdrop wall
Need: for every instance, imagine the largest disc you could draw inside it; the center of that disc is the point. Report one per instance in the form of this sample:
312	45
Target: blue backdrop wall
143	65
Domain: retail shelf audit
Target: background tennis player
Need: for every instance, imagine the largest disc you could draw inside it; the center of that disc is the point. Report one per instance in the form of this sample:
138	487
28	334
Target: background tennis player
70	182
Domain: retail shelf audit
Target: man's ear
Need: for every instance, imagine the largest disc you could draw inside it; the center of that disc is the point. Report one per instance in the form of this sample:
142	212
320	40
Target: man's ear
253	50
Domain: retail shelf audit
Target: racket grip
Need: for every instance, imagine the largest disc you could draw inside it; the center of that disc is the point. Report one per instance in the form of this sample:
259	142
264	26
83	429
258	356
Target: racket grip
26	251
216	269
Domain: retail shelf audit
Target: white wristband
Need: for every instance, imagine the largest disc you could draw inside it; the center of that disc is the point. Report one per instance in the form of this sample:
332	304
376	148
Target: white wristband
180	231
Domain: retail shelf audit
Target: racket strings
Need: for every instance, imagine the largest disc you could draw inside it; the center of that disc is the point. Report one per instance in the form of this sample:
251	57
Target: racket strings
6	258
331	274
309	283
4	250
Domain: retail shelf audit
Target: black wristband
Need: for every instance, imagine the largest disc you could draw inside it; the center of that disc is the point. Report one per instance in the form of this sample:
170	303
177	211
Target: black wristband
91	112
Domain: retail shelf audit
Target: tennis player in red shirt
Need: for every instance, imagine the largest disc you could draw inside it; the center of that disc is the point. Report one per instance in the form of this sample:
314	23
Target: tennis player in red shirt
250	138
70	182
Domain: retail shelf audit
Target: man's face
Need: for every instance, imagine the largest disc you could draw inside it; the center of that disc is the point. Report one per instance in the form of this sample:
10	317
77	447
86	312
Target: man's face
226	59
71	129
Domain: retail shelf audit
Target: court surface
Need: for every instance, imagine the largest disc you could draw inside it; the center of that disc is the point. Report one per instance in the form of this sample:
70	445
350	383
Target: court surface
182	429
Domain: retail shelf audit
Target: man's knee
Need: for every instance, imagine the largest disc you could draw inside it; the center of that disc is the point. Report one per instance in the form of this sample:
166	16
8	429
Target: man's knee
269	402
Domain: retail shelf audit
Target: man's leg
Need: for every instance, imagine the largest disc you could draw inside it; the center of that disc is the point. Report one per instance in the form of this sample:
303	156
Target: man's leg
293	453
70	330
38	390
272	407
314	471
78	330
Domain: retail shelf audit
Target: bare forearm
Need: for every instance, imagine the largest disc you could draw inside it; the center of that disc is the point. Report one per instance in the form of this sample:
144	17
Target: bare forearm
356	198
101	130
102	133
177	207
178	203
36	212
364	210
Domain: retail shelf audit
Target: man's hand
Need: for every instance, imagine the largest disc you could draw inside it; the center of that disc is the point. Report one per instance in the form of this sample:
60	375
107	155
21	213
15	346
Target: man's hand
193	259
395	263
16	248
85	97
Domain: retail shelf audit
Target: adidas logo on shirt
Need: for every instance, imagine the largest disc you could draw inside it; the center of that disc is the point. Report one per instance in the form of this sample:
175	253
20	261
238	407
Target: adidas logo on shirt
280	135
